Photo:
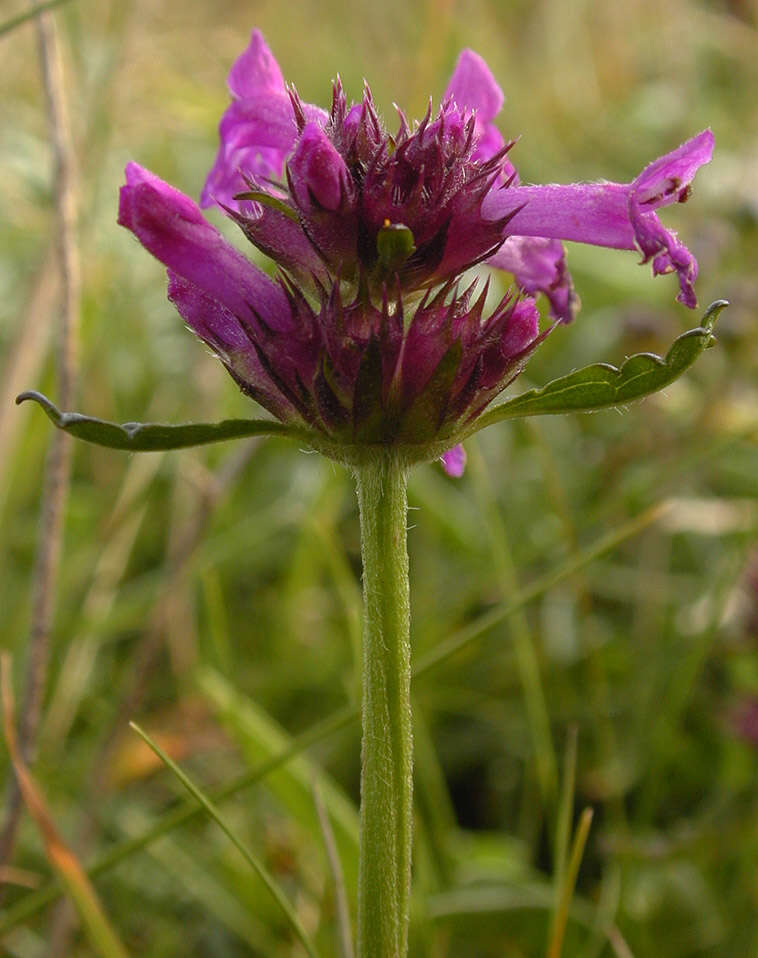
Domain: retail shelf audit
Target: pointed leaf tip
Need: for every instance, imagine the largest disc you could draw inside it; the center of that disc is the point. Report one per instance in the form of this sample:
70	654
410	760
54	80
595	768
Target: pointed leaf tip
155	437
712	314
602	385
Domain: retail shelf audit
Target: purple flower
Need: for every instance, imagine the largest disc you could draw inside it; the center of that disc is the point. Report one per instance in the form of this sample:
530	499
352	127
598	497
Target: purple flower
368	334
454	461
611	214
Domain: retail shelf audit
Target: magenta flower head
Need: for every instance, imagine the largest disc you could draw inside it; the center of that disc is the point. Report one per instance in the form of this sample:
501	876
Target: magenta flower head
369	334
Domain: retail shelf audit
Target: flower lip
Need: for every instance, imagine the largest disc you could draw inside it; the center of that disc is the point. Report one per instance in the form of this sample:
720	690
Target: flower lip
664	181
258	130
257	134
472	87
668	179
622	216
539	265
255	70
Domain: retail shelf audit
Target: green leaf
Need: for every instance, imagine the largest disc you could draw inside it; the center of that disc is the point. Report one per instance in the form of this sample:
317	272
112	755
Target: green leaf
602	385
151	436
261	738
560	916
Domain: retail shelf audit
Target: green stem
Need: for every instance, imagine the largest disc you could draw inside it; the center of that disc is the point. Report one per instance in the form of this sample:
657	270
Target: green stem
384	873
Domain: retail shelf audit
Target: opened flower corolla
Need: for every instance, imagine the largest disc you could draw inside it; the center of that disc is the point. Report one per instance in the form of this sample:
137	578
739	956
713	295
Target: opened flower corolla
368	335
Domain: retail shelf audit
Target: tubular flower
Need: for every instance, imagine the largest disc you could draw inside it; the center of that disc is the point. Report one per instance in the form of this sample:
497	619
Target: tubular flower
368	335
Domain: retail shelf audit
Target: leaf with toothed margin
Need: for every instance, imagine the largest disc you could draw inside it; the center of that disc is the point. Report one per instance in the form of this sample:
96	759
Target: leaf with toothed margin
602	385
151	436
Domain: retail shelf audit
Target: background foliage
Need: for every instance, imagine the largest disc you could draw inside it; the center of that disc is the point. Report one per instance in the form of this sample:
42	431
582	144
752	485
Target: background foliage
214	594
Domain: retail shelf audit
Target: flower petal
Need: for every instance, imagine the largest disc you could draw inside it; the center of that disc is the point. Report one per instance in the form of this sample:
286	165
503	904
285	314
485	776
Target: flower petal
667	179
454	461
223	332
255	70
258	130
594	213
506	355
523	329
667	253
256	134
322	188
613	214
206	317
171	227
539	266
473	87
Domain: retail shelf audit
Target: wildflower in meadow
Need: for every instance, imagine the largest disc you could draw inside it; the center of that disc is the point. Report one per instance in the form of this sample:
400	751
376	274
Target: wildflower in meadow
370	334
373	345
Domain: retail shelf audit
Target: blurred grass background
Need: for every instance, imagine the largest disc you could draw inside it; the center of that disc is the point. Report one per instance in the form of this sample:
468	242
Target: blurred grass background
214	595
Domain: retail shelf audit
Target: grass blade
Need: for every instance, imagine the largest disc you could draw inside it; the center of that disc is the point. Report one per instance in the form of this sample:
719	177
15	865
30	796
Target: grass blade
562	913
524	642
565	812
321	730
257	867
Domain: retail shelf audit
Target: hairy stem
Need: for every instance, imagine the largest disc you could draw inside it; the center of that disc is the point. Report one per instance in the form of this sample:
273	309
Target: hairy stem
384	874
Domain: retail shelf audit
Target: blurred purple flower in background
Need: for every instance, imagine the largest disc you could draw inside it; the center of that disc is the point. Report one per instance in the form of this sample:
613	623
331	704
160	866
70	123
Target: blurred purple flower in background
369	334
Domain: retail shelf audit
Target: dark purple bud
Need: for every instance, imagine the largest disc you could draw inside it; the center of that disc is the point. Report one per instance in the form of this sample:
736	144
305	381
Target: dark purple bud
317	173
